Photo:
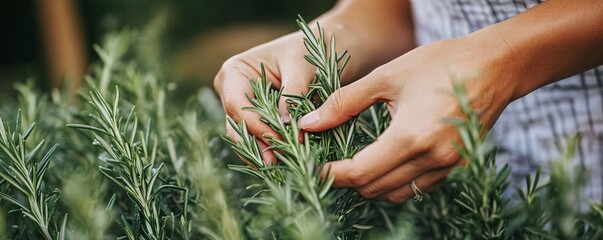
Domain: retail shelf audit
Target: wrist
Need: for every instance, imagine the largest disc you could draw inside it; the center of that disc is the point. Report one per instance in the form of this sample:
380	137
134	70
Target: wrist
546	43
511	64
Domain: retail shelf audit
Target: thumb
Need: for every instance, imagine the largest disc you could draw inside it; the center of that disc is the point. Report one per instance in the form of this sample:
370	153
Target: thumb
342	105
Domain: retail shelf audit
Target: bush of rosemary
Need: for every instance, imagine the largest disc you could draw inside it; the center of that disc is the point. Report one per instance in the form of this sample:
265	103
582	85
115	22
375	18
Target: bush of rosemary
124	159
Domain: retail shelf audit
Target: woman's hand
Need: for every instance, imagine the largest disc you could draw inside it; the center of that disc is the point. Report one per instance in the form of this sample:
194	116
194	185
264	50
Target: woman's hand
284	70
418	90
383	33
497	64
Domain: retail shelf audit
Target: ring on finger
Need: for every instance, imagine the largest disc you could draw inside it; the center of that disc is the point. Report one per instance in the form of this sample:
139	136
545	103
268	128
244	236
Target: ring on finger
418	193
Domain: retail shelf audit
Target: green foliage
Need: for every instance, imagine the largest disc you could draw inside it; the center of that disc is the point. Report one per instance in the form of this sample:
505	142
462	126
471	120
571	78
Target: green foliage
131	164
474	205
135	163
23	170
87	210
295	185
3	234
207	179
122	176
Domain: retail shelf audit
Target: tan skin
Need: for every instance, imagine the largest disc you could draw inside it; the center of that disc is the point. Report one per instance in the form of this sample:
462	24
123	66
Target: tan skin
498	64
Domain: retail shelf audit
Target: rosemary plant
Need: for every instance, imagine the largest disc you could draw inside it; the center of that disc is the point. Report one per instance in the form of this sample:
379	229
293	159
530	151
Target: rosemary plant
211	196
482	183
157	172
130	163
296	184
156	192
23	170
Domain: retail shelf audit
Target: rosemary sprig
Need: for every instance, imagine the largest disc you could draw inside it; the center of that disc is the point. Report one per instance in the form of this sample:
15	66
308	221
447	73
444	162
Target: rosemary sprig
166	181
214	216
481	184
131	164
23	170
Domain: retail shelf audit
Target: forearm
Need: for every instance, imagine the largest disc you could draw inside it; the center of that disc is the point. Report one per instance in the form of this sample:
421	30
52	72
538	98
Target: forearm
547	43
374	32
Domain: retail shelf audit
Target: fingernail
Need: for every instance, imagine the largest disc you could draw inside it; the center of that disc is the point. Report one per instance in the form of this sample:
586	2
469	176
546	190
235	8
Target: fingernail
282	108
307	121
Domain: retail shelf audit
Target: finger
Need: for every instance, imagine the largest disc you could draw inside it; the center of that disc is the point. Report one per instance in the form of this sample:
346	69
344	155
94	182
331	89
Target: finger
410	170
425	183
295	81
397	177
404	174
268	156
235	99
388	152
345	103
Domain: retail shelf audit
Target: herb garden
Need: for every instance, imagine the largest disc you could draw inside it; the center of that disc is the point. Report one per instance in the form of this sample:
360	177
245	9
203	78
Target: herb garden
122	159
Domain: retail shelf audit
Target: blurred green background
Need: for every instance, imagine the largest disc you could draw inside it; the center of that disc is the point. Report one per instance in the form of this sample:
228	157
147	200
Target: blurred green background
188	39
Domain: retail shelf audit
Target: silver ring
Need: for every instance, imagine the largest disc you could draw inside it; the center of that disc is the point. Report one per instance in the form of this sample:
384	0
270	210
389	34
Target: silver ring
418	194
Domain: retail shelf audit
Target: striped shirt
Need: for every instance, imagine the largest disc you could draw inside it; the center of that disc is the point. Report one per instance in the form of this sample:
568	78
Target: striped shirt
530	130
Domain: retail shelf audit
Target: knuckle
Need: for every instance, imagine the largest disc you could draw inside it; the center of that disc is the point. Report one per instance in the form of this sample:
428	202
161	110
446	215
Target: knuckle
445	156
368	191
417	141
220	75
422	141
337	103
233	63
219	84
337	100
358	177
